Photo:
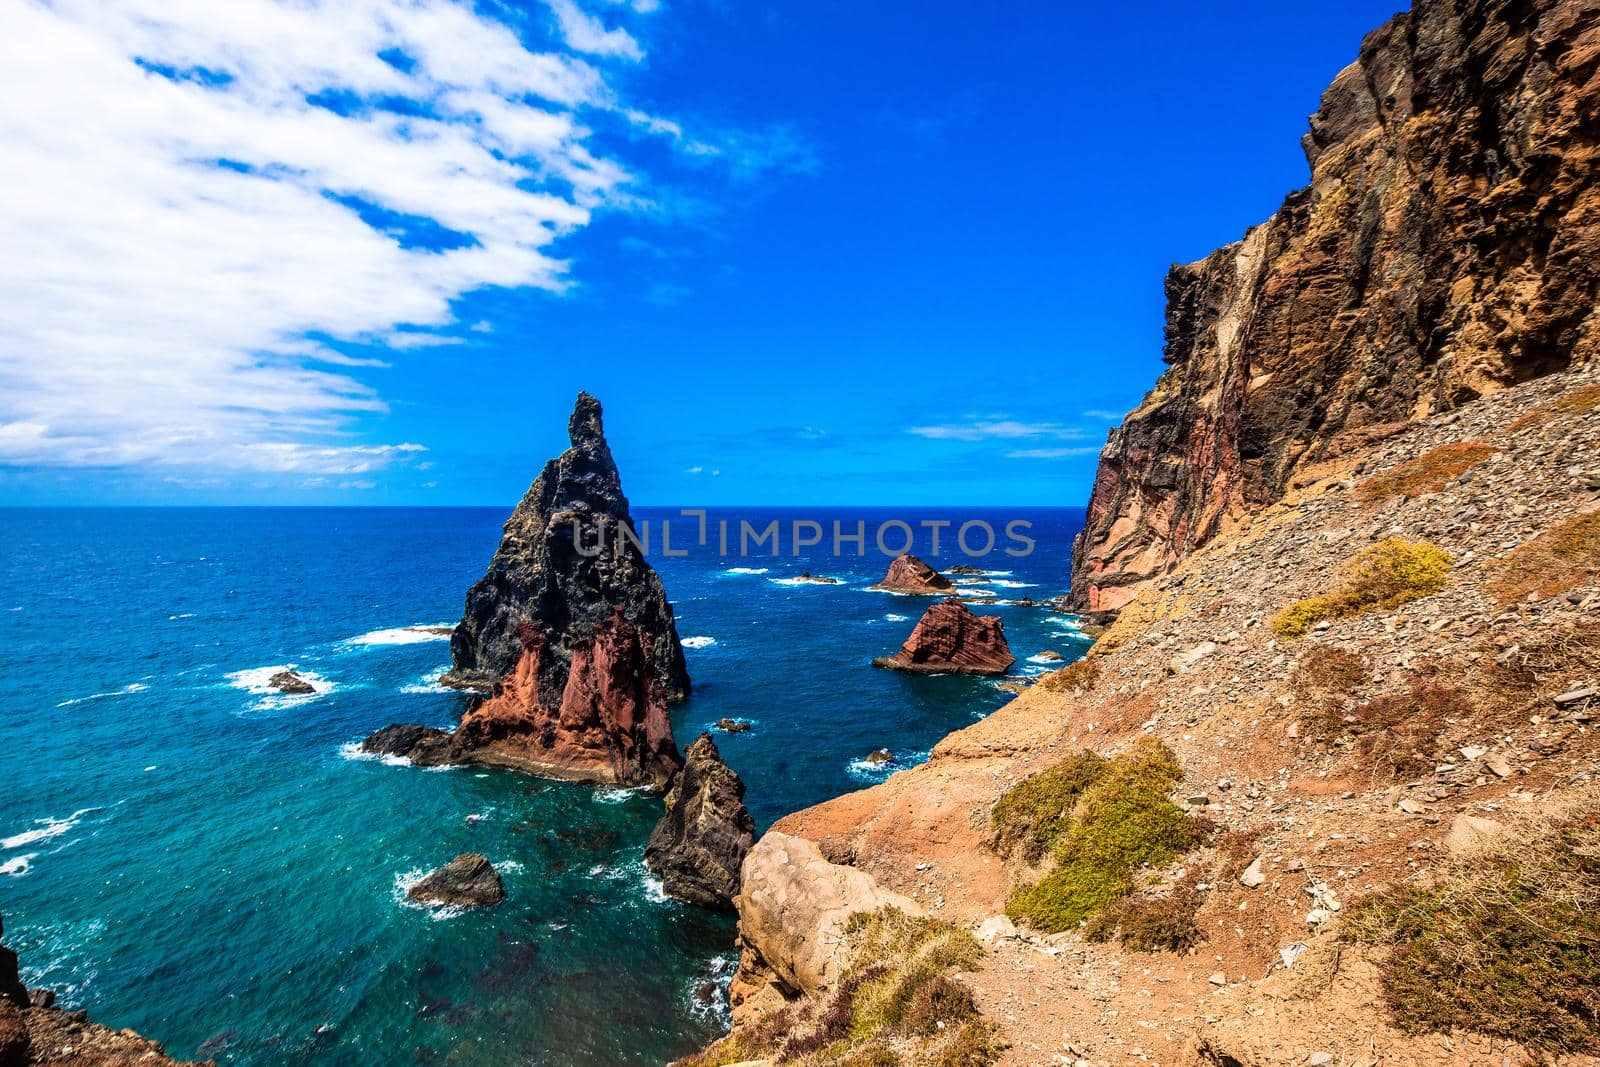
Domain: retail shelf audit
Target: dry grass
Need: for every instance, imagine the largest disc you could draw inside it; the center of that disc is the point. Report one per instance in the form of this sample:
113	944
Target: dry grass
1564	557
1578	401
1152	922
1390	573
1325	671
1545	661
1428	473
1506	943
1079	677
896	1004
1396	735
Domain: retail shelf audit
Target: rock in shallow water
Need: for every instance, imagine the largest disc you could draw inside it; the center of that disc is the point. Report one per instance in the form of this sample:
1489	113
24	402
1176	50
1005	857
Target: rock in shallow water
950	639
291	683
908	574
468	881
699	845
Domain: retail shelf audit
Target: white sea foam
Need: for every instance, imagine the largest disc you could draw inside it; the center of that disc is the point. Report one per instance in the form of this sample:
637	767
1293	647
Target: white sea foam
416	634
45	829
132	687
18	866
865	771
185	615
256	680
718	973
352	750
746	570
1053	661
618	795
897	618
429	683
1005	584
405	880
698	642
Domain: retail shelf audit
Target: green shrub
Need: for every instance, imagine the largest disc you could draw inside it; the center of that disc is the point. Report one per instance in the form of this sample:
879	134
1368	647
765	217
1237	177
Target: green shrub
1507	943
1122	822
1037	810
1388	574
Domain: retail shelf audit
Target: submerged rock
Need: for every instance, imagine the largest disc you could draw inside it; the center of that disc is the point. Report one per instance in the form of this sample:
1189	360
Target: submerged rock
541	576
950	639
908	574
468	881
290	682
732	726
879	757
699	845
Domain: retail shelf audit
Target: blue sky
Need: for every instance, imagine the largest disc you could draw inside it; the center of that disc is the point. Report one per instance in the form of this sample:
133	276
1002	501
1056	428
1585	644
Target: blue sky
831	253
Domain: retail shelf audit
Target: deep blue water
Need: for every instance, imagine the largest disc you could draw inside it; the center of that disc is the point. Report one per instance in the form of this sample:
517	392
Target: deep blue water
185	854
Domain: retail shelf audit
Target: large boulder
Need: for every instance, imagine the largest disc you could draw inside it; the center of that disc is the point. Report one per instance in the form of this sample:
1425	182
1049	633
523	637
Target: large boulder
950	639
700	844
908	574
793	906
468	881
541	575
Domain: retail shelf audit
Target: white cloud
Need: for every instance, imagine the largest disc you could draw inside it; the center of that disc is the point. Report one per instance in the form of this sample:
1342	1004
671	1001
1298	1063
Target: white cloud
178	218
585	33
695	470
996	428
1108	416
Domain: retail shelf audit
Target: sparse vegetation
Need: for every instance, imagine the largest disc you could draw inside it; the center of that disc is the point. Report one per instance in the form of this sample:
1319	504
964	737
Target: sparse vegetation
1545	659
1122	822
1428	473
1149	922
1396	734
1390	573
1507	943
897	1005
1081	675
1325	671
1578	401
1563	557
1035	812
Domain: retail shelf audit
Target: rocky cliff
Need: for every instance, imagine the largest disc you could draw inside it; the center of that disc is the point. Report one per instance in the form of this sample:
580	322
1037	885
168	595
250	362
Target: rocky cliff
1447	247
701	841
563	565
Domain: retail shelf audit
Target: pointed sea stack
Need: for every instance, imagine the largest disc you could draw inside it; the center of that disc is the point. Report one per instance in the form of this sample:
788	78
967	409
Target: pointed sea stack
539	576
908	574
700	843
949	639
576	654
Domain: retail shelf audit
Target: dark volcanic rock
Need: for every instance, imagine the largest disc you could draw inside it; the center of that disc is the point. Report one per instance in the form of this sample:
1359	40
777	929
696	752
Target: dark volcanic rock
949	639
402	739
290	682
11	987
700	843
908	574
1447	247
14	1042
468	881
539	576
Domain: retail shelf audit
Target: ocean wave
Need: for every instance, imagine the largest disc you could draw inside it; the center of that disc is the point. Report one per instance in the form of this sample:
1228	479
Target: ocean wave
256	679
18	866
132	687
803	581
706	994
863	770
698	642
185	615
1005	584
897	618
429	683
46	829
1054	661
403	883
352	750
618	794
746	570
416	634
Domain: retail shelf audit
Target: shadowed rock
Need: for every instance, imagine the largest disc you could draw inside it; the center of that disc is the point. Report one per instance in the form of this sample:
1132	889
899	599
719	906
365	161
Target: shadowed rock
290	682
950	639
468	881
700	843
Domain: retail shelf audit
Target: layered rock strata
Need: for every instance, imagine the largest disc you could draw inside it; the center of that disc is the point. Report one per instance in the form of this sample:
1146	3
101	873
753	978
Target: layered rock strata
908	574
701	842
950	639
1447	247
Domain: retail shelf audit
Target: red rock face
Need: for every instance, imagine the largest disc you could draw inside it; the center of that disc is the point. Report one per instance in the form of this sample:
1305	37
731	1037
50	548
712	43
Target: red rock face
908	574
611	724
1447	247
949	639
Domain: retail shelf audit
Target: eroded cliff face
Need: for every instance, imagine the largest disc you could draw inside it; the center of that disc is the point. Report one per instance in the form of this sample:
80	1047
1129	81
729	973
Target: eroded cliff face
1447	247
542	573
